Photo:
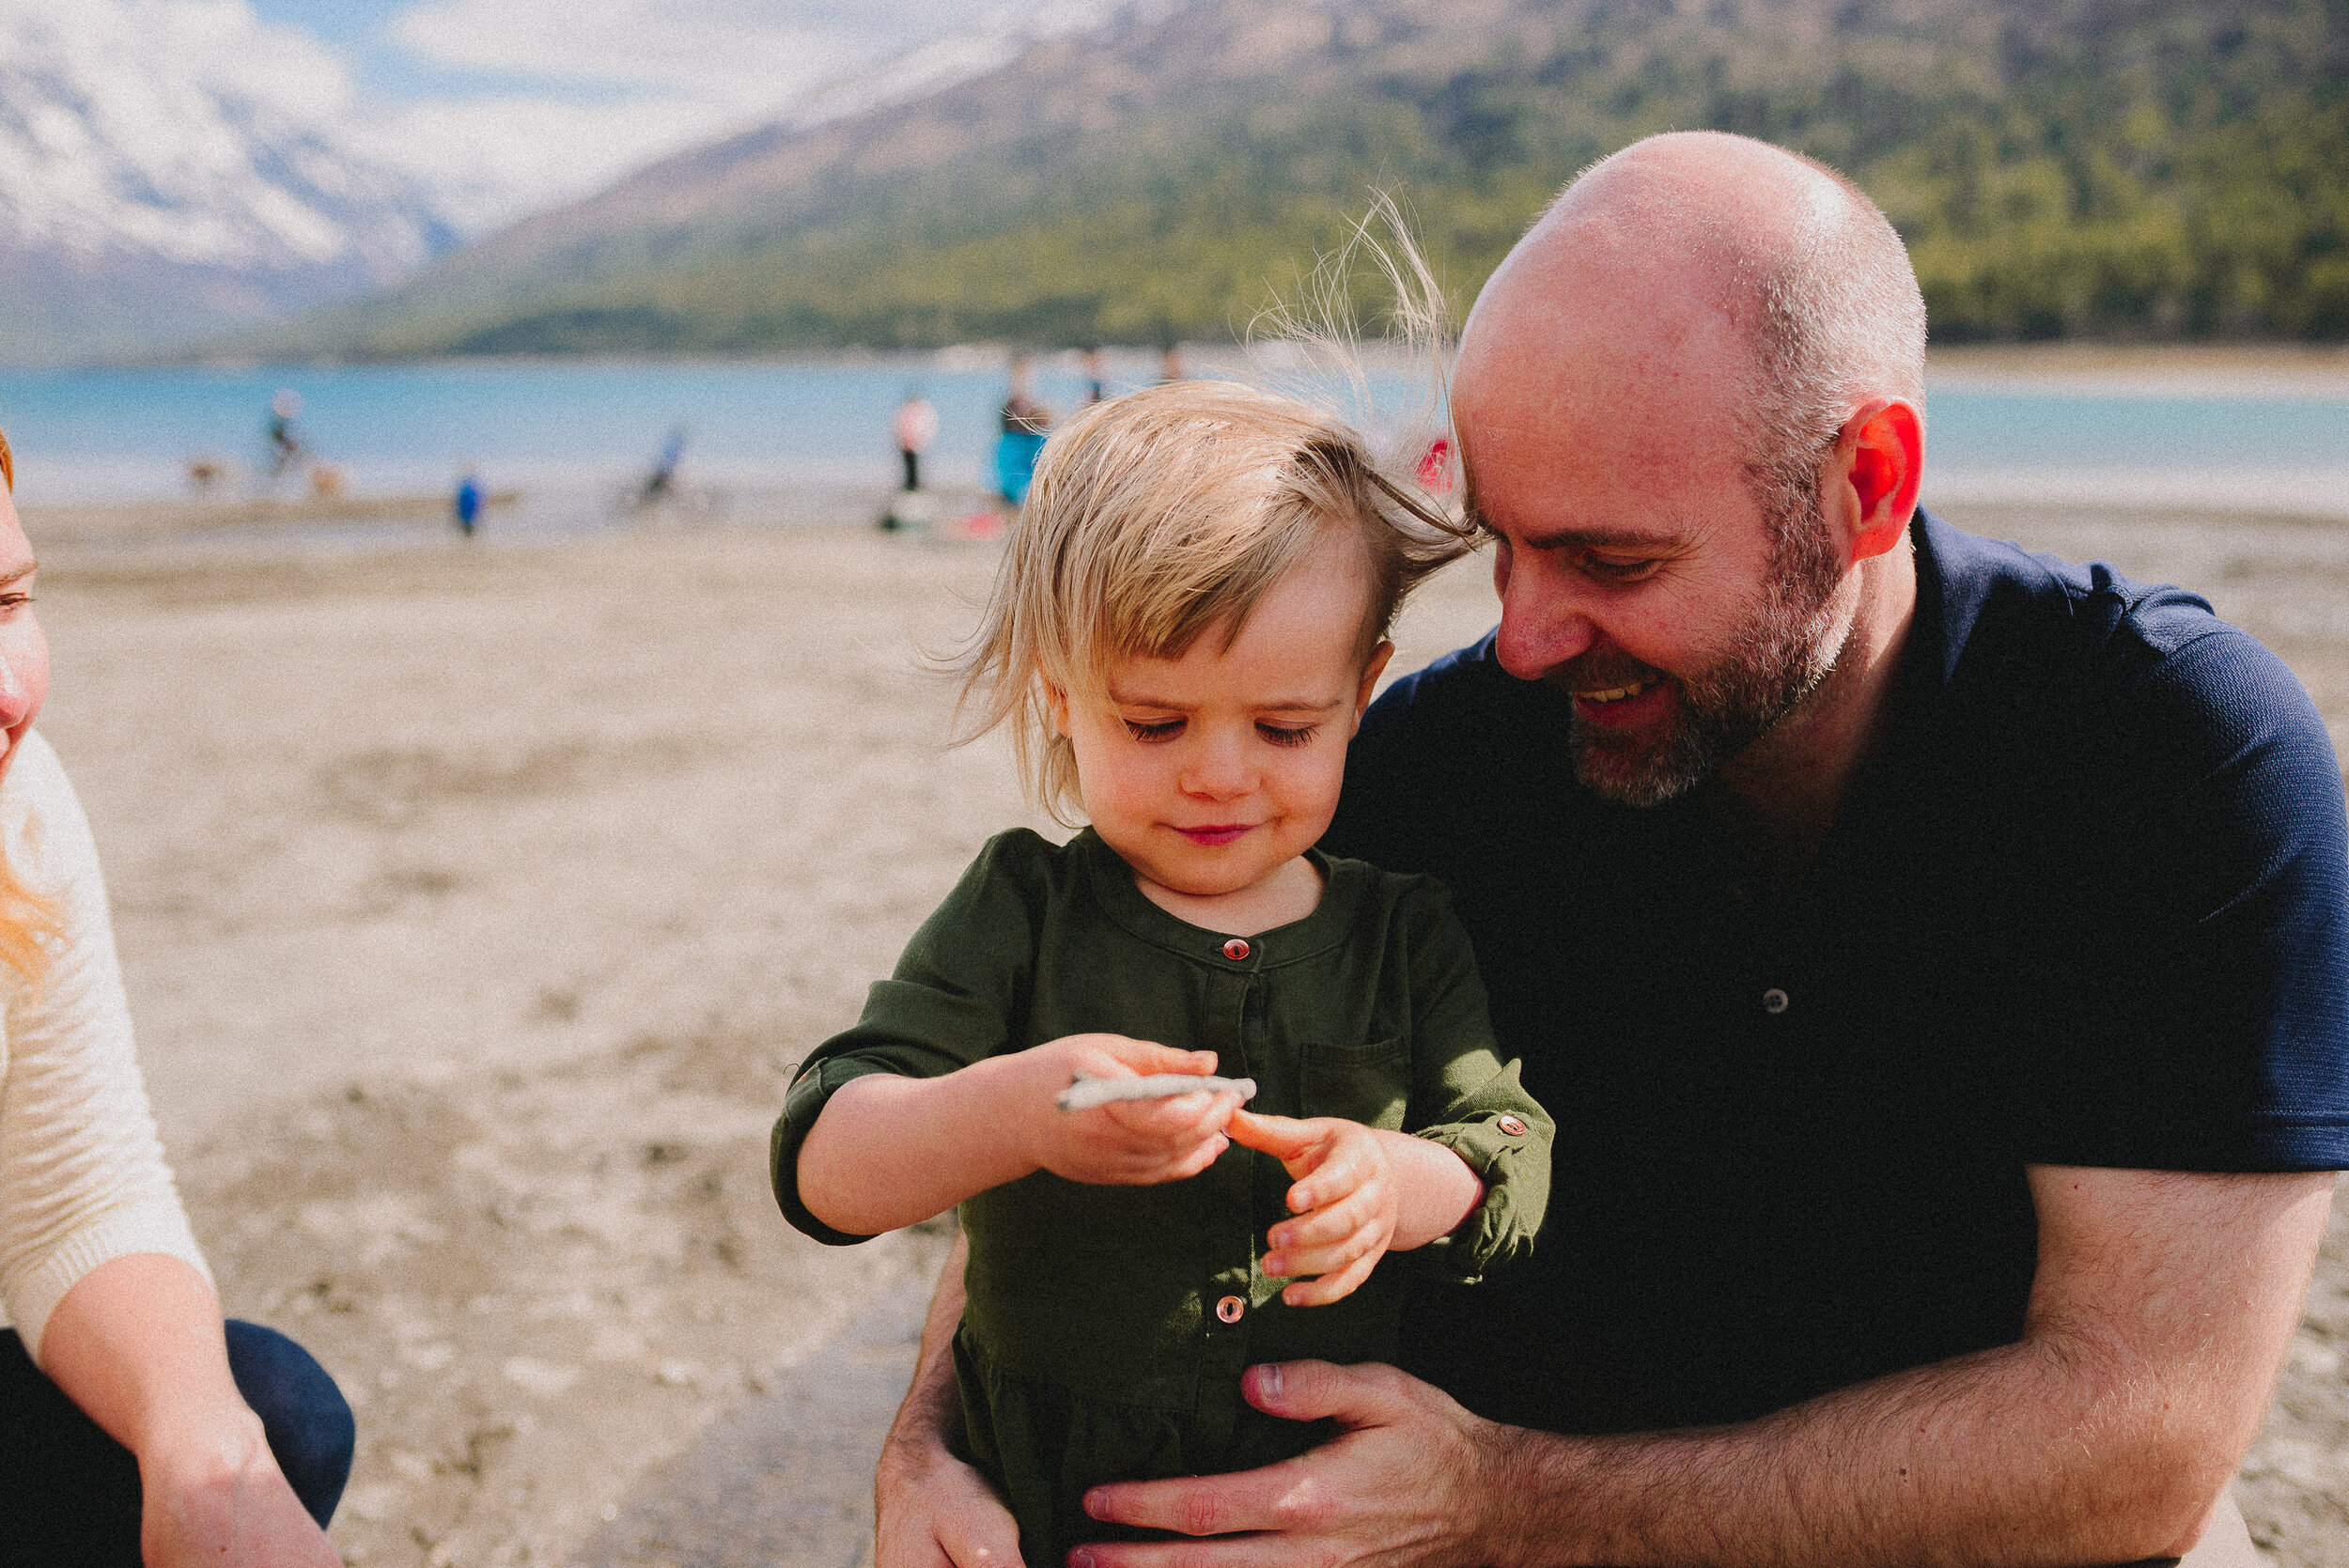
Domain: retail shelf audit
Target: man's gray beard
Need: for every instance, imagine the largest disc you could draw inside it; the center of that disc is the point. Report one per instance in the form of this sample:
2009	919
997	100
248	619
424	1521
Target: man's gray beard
1788	650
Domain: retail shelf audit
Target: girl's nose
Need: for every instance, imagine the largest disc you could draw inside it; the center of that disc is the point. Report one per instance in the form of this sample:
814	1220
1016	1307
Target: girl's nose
1218	771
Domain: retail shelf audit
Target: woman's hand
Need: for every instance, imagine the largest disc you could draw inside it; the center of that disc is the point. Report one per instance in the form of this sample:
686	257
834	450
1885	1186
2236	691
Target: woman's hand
1126	1142
215	1496
138	1344
1346	1200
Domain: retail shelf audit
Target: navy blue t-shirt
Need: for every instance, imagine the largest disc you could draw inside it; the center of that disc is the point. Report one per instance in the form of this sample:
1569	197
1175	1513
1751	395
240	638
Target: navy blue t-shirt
2085	903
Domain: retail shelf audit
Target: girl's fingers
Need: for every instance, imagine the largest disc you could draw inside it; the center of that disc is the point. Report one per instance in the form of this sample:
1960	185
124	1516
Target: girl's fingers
1341	1172
1328	1225
1332	1287
1328	1257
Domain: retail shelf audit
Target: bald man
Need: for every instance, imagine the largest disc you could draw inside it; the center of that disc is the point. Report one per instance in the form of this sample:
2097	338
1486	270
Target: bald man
1936	958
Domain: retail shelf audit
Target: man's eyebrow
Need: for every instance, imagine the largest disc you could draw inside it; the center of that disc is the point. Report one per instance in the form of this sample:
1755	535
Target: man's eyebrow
1586	539
1607	538
20	574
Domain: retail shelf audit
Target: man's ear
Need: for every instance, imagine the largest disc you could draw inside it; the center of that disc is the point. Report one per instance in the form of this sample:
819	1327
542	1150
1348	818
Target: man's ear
1872	485
1371	669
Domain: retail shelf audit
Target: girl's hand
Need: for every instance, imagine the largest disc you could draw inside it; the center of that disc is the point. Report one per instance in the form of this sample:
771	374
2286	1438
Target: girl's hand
1346	1200
1129	1142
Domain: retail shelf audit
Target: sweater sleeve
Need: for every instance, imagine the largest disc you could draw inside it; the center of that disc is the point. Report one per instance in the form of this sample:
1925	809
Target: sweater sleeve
1466	1095
82	1174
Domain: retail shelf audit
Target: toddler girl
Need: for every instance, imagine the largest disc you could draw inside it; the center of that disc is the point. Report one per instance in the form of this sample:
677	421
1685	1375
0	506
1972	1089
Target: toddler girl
1183	635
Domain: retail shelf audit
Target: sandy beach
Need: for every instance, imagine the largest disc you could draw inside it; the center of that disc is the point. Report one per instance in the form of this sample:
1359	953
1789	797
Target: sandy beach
476	902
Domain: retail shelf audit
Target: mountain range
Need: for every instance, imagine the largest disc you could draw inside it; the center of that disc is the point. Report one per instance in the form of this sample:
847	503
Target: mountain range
154	188
2129	168
1157	169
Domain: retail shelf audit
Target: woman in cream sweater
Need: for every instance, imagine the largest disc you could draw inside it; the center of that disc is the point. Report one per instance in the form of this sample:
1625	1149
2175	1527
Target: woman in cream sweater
134	1425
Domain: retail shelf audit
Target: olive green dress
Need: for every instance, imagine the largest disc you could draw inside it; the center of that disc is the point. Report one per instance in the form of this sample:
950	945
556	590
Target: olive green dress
1106	1327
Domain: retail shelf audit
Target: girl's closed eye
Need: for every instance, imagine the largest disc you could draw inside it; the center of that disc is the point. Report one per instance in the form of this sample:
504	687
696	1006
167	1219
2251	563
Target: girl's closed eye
1154	729
1287	734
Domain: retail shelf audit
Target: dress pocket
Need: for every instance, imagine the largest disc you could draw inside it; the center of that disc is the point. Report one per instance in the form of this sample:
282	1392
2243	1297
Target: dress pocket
1369	1082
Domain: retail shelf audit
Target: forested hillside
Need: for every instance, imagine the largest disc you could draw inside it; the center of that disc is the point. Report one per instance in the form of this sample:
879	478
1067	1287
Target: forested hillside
2121	168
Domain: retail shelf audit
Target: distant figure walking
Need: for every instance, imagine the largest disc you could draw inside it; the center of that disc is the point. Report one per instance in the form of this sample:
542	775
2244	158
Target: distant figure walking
917	426
285	443
1171	365
1097	376
1026	423
468	504
662	481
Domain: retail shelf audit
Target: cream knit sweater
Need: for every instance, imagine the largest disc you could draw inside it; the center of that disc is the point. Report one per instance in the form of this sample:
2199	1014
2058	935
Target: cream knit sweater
82	1174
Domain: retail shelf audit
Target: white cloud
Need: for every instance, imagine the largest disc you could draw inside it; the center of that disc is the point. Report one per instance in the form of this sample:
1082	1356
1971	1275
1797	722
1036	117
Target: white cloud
631	81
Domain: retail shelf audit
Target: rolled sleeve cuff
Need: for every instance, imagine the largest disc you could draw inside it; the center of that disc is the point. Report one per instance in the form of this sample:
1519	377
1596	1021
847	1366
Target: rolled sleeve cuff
805	1101
1513	1165
150	1227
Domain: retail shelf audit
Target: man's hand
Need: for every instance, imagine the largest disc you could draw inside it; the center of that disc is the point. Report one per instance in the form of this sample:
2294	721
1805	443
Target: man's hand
1405	1480
1345	1199
933	1510
930	1510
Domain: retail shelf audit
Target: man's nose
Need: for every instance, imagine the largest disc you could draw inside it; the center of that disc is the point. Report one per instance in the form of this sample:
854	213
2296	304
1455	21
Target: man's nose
1543	621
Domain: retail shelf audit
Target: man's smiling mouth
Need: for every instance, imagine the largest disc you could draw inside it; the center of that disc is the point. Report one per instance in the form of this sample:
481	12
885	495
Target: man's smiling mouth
1616	693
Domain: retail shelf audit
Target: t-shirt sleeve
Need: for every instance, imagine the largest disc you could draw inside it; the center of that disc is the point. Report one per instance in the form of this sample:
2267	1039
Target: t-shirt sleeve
2222	1041
1466	1095
952	1000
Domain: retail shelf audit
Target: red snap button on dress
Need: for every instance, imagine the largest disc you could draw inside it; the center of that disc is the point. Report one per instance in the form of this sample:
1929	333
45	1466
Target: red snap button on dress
1234	950
1230	1308
1513	1125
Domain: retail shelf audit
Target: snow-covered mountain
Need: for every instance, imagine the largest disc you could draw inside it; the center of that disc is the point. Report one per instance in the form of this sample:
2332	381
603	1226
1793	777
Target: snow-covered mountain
168	168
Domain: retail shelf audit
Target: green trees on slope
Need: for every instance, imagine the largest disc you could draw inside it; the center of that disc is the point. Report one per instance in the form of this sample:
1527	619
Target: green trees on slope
2131	168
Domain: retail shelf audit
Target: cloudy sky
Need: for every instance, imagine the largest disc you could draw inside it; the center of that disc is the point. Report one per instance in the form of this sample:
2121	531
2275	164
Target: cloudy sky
507	105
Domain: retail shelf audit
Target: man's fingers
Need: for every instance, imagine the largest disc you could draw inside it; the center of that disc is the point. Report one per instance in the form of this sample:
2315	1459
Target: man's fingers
1198	1505
1366	1395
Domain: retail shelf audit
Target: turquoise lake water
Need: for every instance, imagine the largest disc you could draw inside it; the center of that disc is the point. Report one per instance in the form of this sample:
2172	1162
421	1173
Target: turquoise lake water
131	434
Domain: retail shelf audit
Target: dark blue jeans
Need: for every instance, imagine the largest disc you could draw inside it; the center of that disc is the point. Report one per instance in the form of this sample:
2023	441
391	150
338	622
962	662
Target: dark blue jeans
70	1494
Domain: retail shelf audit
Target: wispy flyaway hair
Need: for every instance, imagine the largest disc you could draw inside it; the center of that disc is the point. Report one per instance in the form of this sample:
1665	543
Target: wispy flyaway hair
1159	517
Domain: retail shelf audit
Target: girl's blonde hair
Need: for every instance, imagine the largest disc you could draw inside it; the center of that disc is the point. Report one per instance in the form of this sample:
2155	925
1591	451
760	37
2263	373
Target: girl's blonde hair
28	922
1163	516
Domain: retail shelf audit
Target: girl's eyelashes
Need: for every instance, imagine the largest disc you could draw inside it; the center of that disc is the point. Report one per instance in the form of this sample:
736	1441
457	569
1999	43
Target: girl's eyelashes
1150	731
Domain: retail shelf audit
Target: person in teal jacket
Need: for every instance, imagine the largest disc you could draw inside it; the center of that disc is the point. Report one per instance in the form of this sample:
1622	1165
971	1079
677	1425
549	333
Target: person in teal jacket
1189	620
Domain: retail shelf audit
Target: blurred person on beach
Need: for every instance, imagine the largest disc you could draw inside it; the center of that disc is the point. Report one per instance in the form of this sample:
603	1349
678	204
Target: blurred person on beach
1183	635
1095	374
916	428
1171	368
135	1426
466	504
1025	424
284	442
1937	955
662	482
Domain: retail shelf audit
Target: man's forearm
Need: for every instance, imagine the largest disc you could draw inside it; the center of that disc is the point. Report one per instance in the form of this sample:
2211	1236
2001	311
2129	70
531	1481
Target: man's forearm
1998	1457
930	1419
